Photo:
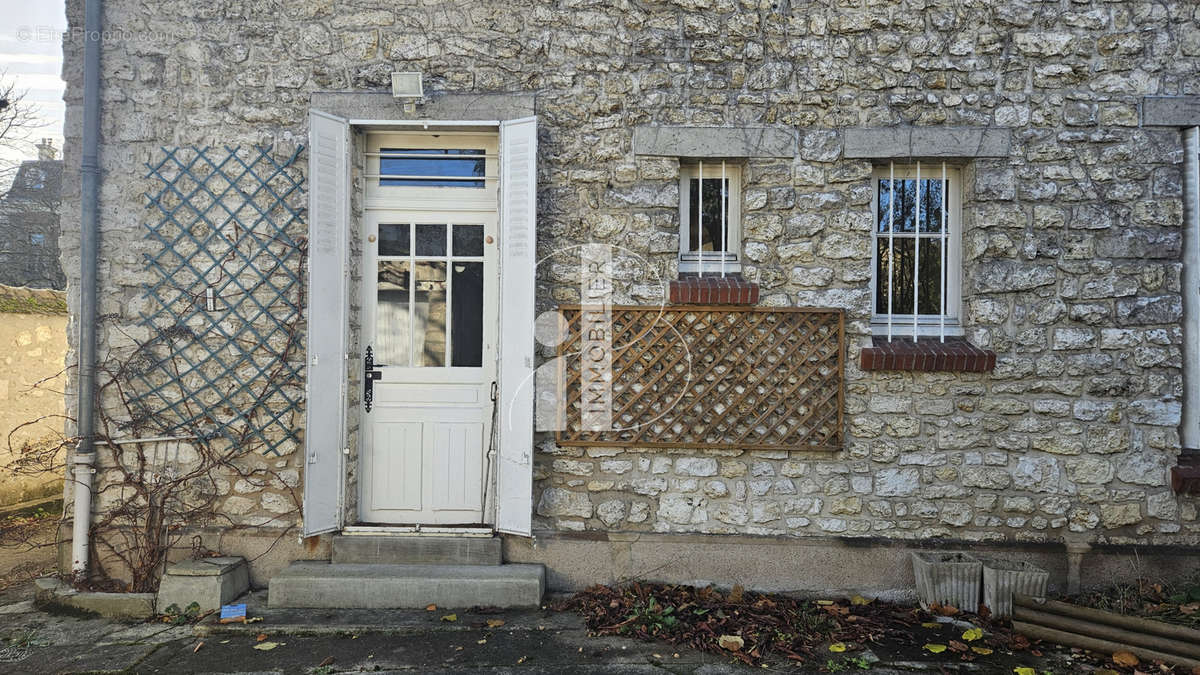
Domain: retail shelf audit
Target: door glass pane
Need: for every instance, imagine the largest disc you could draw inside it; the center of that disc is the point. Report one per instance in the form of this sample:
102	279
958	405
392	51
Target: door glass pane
467	322
433	167
431	239
429	314
393	239
391	314
710	238
468	240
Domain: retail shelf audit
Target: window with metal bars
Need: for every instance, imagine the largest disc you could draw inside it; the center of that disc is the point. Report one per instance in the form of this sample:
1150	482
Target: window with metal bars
710	228
916	250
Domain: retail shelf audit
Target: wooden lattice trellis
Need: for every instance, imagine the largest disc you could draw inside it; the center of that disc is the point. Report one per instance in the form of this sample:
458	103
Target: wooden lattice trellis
713	377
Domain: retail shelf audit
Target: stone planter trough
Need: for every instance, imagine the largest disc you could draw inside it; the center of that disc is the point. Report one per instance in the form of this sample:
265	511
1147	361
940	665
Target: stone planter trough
1003	579
947	579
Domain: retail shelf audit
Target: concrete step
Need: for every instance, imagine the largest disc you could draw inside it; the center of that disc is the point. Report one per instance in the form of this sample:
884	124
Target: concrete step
309	583
412	550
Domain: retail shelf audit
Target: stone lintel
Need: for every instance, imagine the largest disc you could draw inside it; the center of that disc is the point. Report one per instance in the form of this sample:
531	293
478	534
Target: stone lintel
382	106
1171	111
714	142
918	142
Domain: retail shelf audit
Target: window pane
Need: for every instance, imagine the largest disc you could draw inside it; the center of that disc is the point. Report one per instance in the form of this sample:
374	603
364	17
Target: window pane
467	319
903	202
393	239
431	239
391	314
712	212
468	240
441	165
429	314
930	292
930	296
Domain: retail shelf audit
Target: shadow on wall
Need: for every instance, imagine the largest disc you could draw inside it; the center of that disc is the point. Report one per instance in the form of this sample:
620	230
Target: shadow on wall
33	348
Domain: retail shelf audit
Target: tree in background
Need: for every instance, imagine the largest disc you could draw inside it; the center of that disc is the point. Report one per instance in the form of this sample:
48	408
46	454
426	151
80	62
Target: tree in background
18	121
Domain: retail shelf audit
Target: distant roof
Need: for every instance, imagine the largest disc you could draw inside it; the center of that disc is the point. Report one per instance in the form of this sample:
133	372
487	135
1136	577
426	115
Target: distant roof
37	179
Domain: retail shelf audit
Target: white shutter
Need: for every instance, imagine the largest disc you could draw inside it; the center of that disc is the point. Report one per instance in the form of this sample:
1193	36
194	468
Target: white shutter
325	384
518	260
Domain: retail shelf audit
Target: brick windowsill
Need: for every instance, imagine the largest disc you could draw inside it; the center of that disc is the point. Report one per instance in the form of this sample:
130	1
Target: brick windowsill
727	290
926	355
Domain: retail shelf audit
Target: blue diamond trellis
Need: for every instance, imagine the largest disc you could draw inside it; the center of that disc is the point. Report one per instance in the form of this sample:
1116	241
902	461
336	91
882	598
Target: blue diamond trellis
225	356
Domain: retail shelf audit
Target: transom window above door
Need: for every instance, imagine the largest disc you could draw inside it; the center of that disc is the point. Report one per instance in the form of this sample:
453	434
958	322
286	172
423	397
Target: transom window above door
433	167
429	295
422	171
916	250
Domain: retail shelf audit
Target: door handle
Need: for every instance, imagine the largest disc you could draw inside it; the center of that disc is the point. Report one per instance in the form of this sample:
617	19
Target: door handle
370	374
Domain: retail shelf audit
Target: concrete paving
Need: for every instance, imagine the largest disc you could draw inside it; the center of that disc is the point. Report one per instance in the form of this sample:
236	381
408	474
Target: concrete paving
529	642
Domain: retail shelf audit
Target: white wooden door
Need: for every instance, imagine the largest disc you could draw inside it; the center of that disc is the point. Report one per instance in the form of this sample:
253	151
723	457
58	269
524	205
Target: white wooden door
430	320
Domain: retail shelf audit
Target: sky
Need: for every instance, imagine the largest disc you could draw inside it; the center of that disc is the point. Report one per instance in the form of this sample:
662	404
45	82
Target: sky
31	55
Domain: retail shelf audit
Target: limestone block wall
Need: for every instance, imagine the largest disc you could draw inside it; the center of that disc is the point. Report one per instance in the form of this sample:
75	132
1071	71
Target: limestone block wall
33	346
1070	243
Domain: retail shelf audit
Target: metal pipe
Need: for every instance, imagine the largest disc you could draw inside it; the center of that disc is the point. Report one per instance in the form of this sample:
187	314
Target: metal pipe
1190	426
89	246
891	239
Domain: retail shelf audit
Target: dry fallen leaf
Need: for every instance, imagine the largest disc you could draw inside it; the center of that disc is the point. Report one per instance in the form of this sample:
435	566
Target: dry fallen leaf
1024	670
1125	659
481	642
267	646
935	648
495	623
956	646
731	642
837	647
327	661
430	608
521	660
198	646
261	637
450	617
972	634
983	651
930	624
735	593
859	600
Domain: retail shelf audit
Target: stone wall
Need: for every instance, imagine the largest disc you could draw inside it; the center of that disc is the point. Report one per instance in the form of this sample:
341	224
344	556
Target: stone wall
1070	243
33	344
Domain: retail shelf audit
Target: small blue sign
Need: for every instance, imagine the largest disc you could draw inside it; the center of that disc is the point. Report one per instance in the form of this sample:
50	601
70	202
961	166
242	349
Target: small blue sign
233	611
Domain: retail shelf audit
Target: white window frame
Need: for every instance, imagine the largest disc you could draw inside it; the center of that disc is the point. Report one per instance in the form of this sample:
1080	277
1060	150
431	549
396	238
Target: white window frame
711	262
902	324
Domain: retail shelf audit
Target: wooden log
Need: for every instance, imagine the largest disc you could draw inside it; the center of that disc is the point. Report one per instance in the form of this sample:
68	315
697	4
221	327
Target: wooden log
1106	632
1107	647
1135	623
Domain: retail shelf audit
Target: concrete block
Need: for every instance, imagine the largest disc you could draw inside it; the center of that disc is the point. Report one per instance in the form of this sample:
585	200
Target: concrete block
921	142
209	582
1171	111
714	142
404	550
345	586
53	594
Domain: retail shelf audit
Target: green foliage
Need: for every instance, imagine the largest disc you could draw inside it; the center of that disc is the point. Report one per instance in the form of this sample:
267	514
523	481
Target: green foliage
655	618
175	616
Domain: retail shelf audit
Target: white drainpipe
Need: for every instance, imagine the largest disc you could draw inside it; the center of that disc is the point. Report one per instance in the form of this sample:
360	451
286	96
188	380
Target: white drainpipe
1190	427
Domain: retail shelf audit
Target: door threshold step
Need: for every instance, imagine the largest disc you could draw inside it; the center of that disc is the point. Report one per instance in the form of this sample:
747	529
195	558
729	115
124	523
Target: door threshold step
415	531
401	550
319	584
